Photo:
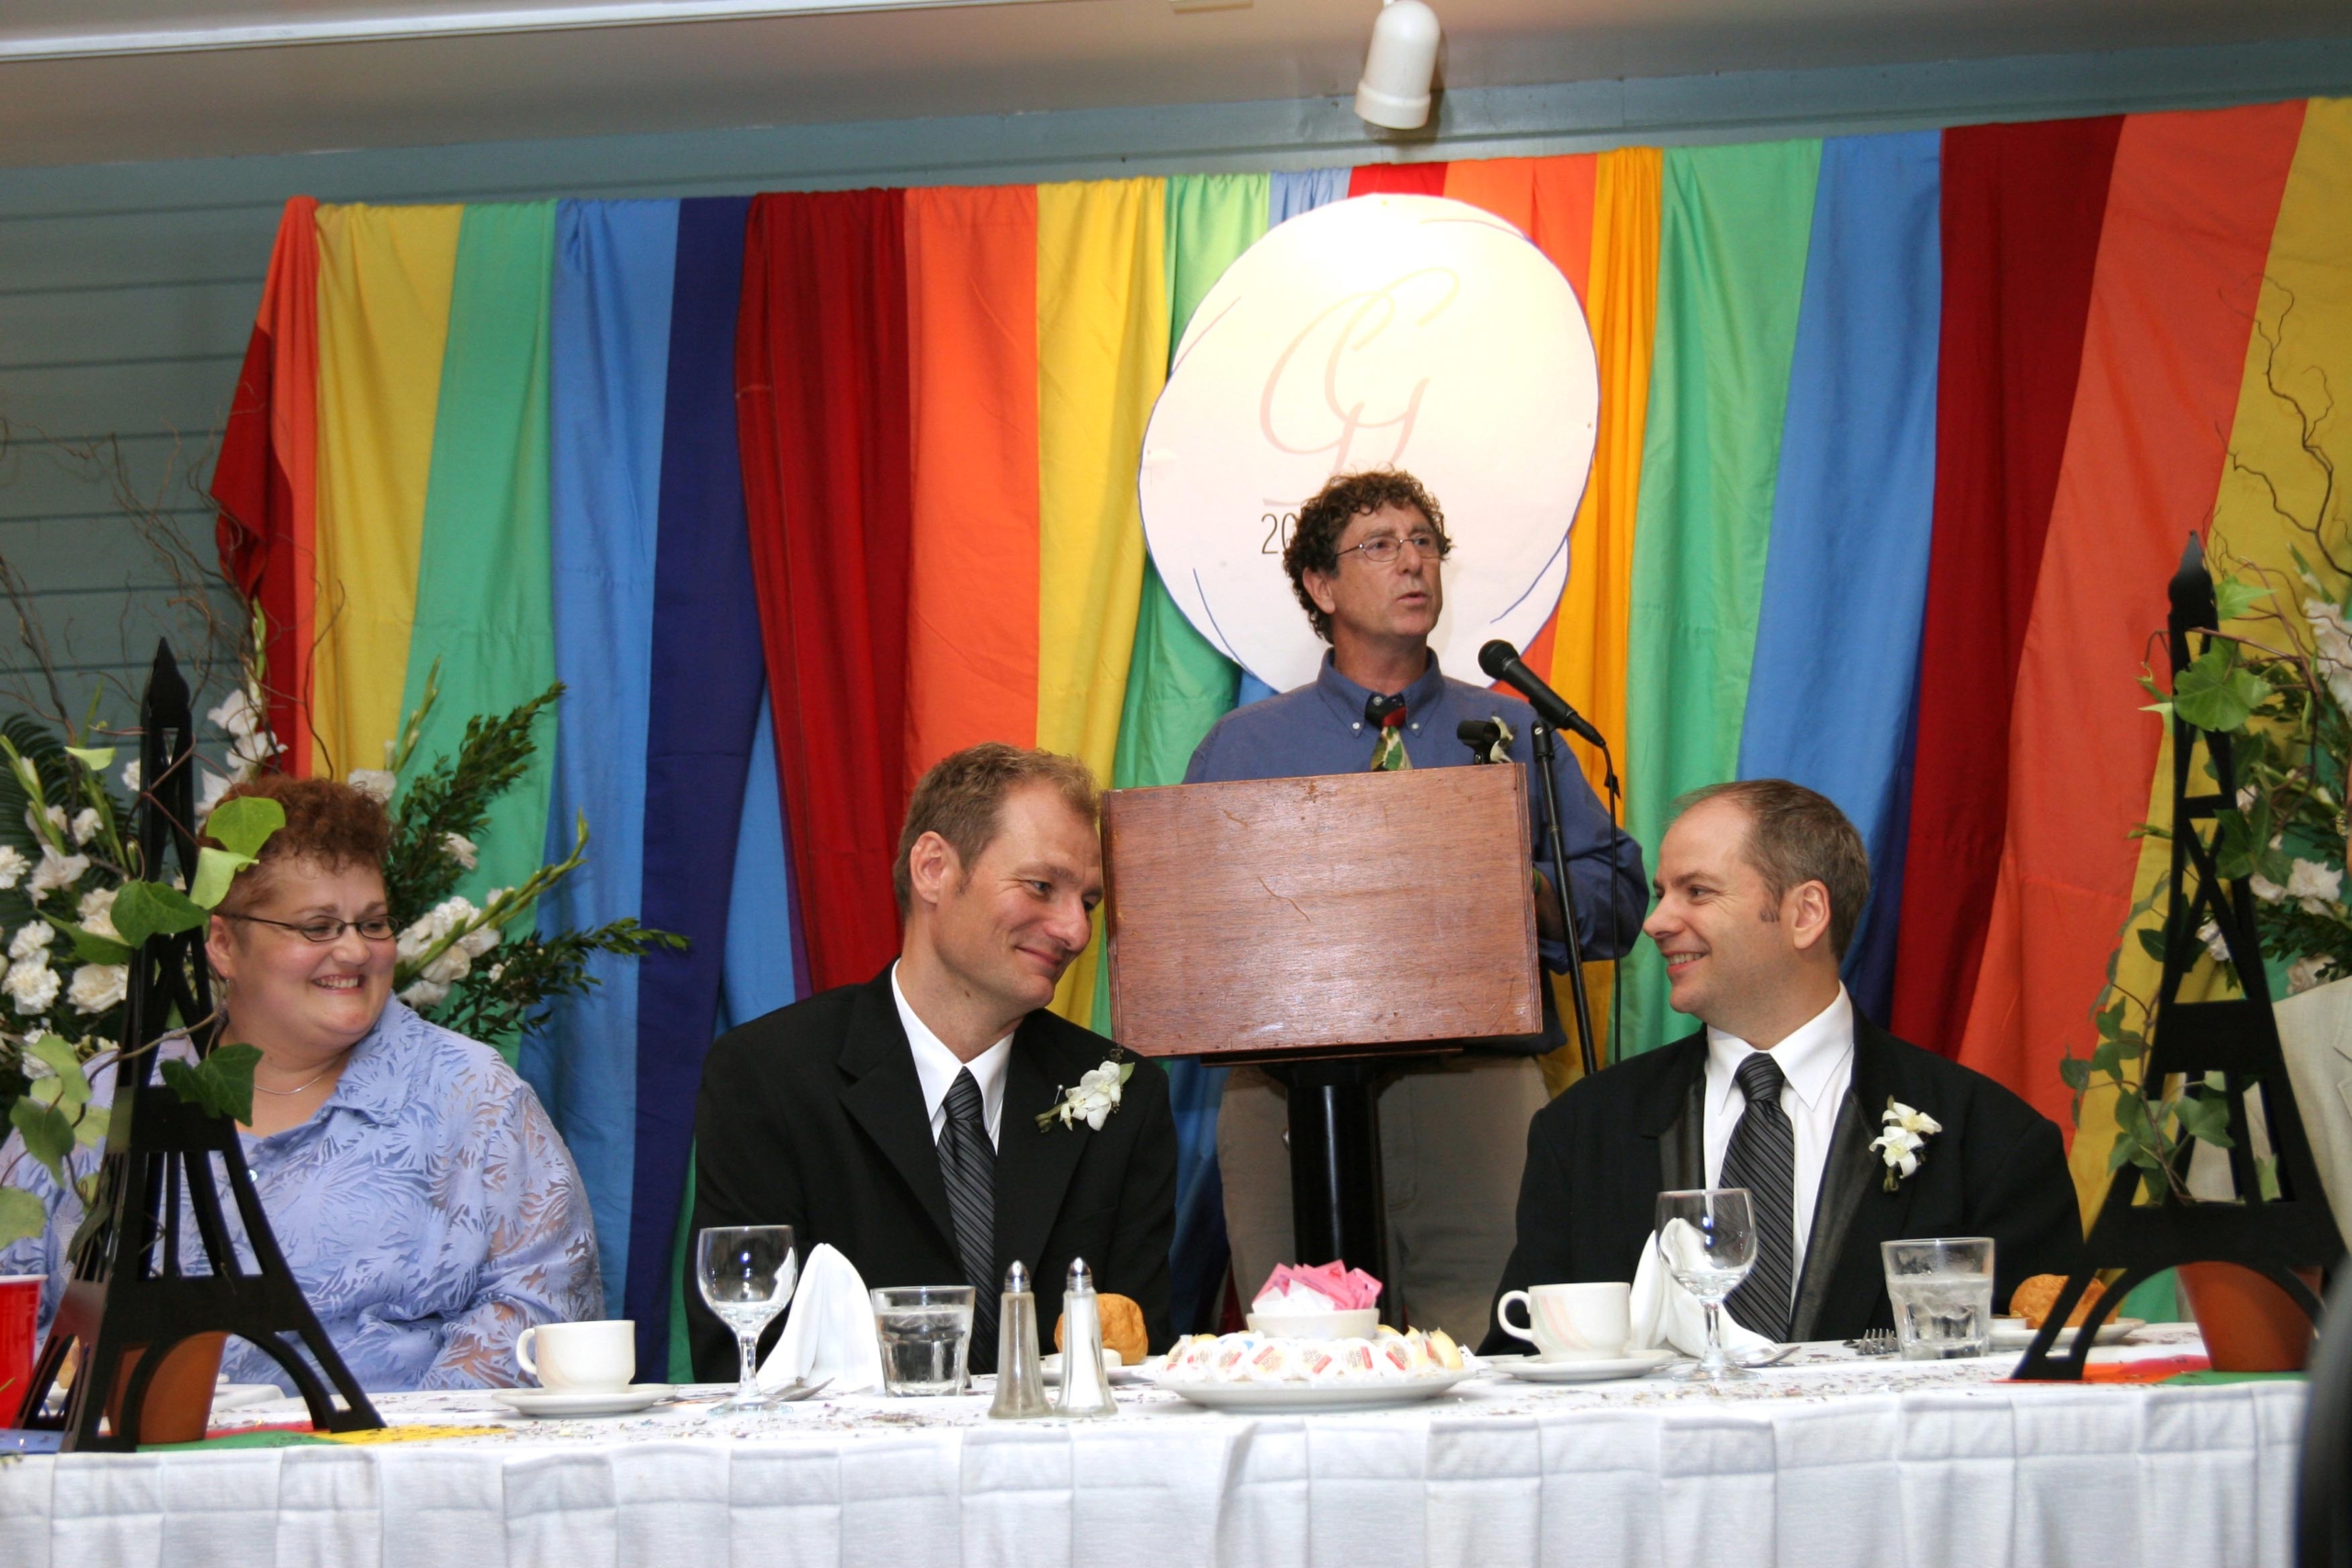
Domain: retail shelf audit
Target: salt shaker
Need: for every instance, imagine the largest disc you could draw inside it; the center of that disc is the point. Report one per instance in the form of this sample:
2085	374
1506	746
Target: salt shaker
1086	1390
1020	1381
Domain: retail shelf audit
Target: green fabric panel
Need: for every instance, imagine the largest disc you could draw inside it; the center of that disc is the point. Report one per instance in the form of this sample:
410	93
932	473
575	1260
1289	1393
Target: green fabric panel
682	1355
2209	1378
1732	247
2157	1298
1178	684
483	596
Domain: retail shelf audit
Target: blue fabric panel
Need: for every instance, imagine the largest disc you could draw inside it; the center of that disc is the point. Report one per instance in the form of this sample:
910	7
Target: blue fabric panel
1830	701
610	364
705	701
1288	194
1252	690
761	919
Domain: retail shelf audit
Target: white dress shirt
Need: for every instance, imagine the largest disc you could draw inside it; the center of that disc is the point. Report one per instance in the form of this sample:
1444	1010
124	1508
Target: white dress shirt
936	1067
1818	1063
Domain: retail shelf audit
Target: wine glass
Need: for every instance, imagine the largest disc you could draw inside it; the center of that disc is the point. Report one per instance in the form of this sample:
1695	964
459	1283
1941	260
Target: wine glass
1707	1238
747	1273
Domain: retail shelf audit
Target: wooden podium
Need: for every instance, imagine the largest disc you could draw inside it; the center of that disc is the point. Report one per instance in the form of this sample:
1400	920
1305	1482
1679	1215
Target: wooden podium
1323	927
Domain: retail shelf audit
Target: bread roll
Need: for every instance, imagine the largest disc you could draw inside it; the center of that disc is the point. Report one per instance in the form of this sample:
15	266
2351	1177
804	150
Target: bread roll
2037	1295
1123	1327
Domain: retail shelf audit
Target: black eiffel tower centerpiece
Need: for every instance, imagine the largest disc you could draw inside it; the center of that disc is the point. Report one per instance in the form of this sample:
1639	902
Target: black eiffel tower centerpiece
2235	1040
131	1294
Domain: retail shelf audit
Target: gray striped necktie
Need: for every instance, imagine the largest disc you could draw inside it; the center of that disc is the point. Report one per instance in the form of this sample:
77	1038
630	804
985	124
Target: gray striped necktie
1763	1159
968	1162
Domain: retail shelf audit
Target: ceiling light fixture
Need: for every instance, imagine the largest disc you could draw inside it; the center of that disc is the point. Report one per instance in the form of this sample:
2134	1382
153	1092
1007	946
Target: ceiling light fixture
1399	67
378	26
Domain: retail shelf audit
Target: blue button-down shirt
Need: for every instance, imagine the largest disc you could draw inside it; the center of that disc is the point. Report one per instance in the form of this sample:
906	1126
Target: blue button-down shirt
429	1211
1320	728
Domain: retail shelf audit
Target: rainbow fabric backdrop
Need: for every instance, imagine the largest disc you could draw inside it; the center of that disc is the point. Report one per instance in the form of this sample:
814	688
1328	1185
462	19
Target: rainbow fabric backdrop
1901	437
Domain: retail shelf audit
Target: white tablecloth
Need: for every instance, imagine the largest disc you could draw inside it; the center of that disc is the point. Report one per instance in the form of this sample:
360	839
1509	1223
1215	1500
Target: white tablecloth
1867	1464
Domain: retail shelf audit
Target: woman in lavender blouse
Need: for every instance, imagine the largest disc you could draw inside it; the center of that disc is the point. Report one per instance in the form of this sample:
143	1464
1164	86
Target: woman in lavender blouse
423	1199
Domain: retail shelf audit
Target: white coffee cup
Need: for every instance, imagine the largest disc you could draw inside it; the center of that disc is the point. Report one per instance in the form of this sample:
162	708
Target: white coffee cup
1572	1322
581	1358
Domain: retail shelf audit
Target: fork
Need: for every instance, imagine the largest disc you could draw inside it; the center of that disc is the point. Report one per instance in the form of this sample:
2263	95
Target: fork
800	1389
1774	1359
1877	1342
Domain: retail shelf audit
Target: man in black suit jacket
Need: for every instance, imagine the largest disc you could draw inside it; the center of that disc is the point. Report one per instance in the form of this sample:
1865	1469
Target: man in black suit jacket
1760	886
855	1116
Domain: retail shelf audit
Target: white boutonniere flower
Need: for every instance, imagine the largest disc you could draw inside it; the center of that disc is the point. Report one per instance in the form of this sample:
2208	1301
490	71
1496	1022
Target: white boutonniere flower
1907	1132
1096	1096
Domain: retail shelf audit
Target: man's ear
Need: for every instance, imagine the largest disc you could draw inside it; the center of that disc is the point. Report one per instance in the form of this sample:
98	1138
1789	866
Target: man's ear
1805	911
933	867
1322	588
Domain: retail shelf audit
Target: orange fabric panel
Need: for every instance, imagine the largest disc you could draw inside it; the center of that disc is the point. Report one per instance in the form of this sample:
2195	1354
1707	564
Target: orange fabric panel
972	590
2190	209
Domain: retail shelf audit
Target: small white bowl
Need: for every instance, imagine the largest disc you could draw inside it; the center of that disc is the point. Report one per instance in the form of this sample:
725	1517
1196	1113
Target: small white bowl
1361	1324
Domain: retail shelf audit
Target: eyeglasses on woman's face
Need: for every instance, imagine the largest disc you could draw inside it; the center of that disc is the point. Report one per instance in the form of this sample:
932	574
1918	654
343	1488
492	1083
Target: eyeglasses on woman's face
324	929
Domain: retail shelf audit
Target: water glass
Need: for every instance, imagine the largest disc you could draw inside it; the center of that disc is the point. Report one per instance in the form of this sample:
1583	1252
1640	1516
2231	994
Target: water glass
746	1274
1942	1291
926	1333
1706	1237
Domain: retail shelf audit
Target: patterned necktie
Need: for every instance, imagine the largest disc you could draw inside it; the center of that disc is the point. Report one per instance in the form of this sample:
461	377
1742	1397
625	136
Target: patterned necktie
1386	717
1763	1159
968	1161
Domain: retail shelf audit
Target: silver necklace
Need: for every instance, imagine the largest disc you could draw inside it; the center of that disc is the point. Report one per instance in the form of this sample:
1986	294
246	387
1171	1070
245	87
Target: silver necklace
297	1088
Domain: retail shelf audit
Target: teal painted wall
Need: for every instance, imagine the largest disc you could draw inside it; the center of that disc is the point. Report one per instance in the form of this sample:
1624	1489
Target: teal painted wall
126	290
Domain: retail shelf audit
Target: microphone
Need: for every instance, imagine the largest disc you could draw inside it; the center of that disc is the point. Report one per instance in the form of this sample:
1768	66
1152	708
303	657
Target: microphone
1500	659
1482	736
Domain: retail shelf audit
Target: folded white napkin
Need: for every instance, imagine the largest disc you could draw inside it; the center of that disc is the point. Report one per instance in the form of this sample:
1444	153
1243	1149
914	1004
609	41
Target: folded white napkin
829	1333
1665	1314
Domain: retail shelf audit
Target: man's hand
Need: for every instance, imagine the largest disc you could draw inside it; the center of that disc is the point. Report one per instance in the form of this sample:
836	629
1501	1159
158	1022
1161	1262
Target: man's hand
1548	925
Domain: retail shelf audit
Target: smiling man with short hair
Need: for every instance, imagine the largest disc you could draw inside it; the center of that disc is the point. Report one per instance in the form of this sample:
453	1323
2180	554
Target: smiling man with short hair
896	1119
1761	885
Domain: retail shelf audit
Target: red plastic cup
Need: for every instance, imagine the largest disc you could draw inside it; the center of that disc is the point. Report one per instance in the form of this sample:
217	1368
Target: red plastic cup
19	1315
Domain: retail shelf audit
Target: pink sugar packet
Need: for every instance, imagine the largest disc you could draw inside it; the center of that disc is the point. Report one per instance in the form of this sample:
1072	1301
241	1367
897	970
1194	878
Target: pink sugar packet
1339	1288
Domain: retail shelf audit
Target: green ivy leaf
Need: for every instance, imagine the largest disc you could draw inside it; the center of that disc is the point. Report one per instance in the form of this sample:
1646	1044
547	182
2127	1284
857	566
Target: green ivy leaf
53	1053
98	759
2121	1153
146	908
90	1132
22	1216
49	1136
2103	1059
243	826
2151	942
222	1083
2233	597
2213	693
92	948
216	869
2075	1072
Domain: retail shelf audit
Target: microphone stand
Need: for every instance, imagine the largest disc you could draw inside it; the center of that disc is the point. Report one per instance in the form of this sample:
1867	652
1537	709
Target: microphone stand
1546	749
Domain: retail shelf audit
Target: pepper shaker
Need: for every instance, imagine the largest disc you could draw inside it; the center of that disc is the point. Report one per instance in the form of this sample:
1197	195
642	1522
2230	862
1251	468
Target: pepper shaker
1020	1379
1086	1389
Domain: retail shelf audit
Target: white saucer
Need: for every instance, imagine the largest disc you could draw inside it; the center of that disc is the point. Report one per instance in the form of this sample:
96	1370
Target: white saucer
558	1402
1529	1369
1121	1374
1369	1393
2011	1333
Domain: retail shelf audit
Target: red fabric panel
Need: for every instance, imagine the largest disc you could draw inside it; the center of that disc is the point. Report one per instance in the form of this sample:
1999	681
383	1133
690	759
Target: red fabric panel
1396	179
820	375
2023	207
264	481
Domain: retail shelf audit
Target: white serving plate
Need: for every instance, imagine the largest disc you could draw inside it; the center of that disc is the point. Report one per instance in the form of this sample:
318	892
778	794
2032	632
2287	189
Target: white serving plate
2011	1334
1371	1393
1113	1362
1531	1368
559	1401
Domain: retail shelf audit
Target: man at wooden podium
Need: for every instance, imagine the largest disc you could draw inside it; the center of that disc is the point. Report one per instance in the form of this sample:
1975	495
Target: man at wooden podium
1365	561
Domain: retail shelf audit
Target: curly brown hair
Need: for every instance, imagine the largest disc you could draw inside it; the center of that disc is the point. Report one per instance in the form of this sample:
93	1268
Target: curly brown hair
1314	543
328	824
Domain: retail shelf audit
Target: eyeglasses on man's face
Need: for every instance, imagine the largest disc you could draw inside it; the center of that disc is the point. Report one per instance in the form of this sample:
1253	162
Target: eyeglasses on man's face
323	930
1382	548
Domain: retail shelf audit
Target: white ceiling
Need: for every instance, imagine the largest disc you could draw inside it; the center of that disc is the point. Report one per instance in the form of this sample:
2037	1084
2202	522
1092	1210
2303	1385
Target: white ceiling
958	60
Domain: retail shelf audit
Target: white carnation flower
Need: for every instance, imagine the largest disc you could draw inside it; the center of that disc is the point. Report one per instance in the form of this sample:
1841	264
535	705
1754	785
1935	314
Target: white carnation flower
2305	972
85	825
35	936
2264	889
13	866
130	775
215	786
56	871
425	994
238	714
2332	637
373	783
2209	933
2315	885
32	985
98	986
460	849
96	913
56	828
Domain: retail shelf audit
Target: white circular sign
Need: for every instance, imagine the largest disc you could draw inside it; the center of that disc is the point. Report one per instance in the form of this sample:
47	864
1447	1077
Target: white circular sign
1403	331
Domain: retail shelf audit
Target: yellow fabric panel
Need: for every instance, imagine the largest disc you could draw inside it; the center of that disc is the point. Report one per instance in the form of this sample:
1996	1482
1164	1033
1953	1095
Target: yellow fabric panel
1101	357
384	280
2306	311
1589	654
